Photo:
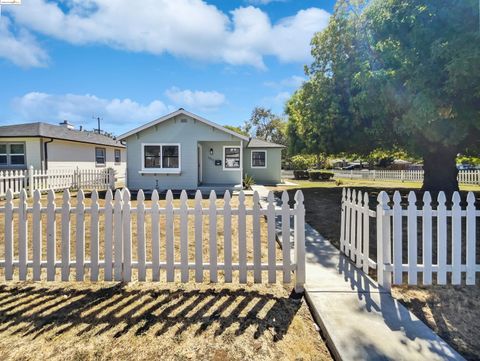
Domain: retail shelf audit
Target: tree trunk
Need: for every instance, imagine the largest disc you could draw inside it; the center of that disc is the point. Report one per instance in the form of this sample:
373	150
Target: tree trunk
440	171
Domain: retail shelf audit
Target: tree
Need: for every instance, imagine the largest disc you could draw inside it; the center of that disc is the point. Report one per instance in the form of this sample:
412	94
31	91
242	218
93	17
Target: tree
237	129
396	74
264	124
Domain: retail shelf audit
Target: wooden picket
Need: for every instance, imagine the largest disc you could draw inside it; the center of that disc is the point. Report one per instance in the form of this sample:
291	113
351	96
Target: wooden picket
395	241
103	238
414	175
54	179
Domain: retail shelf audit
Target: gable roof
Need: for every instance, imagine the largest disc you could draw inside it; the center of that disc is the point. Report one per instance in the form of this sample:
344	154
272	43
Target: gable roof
56	132
260	143
182	111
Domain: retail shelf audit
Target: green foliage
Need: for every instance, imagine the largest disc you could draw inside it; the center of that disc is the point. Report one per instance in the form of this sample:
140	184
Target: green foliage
248	181
300	174
264	124
316	175
470	160
392	74
237	129
302	161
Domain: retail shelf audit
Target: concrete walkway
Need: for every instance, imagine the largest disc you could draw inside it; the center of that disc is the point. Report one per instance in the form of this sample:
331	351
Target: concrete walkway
359	319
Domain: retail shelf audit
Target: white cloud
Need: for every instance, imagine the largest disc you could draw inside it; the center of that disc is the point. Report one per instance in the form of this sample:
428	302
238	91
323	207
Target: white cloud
79	109
265	2
293	81
21	48
196	99
190	28
276	102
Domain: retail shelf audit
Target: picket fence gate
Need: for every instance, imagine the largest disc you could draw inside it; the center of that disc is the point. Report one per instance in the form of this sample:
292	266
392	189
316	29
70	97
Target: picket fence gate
116	217
55	179
464	176
450	232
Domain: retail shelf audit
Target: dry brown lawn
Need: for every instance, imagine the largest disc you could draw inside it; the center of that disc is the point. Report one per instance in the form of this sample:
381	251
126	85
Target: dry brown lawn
156	320
451	311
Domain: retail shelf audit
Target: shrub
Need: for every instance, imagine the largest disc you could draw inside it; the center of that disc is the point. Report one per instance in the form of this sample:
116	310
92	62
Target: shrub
248	182
300	174
302	161
315	175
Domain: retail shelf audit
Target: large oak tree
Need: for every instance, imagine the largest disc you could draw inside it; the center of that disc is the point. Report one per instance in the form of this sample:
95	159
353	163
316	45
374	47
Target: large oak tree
394	73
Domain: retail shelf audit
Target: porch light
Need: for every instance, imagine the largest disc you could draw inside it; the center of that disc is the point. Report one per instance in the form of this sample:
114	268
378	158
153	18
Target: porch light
211	151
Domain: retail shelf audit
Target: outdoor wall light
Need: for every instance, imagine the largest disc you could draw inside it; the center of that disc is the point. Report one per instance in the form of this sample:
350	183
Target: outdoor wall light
211	151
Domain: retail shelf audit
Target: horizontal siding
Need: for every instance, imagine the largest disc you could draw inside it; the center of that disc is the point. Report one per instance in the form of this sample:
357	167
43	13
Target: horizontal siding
269	175
187	134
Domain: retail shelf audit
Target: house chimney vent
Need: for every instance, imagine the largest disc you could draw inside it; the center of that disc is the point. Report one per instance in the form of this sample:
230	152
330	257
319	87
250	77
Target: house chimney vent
67	125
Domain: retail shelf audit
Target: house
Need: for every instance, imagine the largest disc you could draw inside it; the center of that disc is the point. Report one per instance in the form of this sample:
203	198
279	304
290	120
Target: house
47	146
184	151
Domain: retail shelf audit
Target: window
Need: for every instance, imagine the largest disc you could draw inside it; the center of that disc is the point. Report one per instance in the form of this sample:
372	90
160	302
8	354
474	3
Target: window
170	156
259	159
231	157
12	154
3	154
100	156
161	156
118	156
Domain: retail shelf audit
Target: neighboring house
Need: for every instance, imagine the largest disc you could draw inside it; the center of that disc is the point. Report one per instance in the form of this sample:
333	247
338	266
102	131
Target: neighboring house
46	146
184	151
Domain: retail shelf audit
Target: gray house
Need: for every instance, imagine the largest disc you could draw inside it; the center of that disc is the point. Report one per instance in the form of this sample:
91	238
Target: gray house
184	151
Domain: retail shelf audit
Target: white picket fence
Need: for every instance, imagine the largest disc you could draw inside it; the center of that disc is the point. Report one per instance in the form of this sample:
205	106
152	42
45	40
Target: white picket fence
464	176
55	179
404	233
115	237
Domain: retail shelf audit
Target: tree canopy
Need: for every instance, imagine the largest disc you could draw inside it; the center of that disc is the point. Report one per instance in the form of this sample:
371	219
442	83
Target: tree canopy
394	74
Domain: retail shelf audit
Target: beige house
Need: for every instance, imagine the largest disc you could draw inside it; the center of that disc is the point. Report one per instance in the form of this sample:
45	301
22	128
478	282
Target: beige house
46	146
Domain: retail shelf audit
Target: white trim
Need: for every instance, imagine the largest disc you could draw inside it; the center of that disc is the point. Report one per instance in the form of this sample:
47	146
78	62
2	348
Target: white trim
223	160
161	170
251	159
179	112
200	166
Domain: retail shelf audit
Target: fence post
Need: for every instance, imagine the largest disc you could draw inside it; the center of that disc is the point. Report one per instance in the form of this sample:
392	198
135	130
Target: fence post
299	234
374	174
383	241
30	181
111	178
402	175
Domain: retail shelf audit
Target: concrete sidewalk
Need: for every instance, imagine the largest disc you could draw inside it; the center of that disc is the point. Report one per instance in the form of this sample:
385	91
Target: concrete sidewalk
359	319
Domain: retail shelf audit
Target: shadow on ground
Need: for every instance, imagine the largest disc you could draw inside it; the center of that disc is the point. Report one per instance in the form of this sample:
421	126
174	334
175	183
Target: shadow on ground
34	311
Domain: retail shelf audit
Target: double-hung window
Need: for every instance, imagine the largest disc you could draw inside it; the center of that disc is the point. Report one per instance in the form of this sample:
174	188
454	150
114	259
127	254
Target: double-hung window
12	154
259	159
100	156
164	157
231	158
118	156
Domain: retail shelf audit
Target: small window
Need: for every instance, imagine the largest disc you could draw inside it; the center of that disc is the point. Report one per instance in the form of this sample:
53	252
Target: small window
100	156
3	154
118	156
231	157
259	159
161	156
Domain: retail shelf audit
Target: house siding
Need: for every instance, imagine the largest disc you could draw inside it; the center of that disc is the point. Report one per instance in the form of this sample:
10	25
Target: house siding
68	155
269	175
188	134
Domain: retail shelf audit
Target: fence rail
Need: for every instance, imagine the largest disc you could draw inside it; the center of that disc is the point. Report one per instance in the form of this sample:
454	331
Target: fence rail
115	240
412	239
55	179
464	176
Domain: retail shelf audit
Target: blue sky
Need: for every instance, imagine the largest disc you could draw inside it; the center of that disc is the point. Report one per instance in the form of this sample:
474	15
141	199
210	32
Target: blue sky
130	62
